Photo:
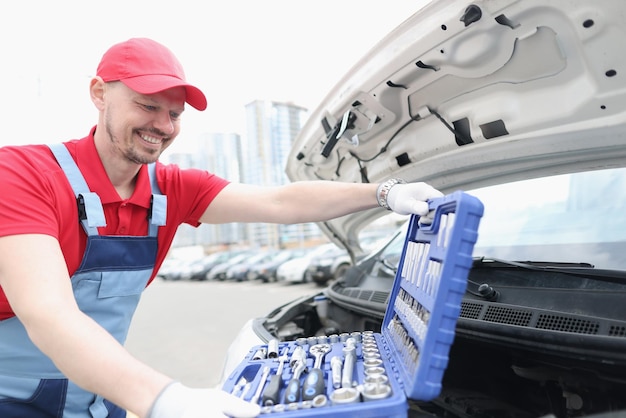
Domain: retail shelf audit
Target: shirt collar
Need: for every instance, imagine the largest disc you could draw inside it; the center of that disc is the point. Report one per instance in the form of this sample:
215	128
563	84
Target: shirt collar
91	167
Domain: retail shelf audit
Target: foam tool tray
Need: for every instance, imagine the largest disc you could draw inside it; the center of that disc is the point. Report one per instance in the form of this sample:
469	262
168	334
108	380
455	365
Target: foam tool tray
373	374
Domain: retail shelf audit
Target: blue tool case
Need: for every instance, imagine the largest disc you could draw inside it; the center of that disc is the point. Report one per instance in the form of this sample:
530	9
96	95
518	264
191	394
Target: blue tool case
372	374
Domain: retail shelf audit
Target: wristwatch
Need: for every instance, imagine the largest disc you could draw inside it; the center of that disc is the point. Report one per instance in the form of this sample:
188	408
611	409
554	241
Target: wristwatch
383	191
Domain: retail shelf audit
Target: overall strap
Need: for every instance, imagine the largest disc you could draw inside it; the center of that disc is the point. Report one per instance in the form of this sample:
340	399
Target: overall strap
158	203
90	210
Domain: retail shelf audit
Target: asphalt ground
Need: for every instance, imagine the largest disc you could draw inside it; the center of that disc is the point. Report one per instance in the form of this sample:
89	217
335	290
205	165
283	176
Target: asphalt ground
184	328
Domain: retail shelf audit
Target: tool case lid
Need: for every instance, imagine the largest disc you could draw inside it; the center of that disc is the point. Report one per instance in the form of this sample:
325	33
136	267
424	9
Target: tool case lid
425	301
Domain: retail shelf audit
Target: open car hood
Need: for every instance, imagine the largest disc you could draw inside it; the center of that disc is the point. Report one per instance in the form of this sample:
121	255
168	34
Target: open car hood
470	94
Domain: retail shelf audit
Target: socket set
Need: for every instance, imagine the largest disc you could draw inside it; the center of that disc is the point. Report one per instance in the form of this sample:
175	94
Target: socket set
369	373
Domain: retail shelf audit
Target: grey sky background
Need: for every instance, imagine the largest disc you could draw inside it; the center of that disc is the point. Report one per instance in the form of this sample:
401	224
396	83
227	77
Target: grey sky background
236	51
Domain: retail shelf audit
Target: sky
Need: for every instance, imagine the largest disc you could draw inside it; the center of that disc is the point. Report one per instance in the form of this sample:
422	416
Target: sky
235	51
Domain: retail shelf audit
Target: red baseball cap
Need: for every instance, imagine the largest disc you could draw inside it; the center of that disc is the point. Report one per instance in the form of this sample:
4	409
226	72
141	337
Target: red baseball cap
147	67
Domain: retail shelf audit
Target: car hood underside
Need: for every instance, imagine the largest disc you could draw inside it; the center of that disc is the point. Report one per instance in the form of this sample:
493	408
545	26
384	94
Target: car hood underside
470	94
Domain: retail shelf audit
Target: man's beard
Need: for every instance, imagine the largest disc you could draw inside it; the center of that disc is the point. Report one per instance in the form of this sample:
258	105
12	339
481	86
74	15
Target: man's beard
132	155
128	151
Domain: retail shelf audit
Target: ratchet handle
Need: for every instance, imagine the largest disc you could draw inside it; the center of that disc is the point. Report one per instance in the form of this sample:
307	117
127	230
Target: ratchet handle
313	384
292	392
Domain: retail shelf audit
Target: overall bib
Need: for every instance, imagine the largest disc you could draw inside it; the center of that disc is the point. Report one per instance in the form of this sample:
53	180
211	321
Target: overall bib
107	286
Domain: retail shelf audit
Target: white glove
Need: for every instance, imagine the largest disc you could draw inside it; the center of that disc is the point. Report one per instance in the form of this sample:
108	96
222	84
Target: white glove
179	401
410	198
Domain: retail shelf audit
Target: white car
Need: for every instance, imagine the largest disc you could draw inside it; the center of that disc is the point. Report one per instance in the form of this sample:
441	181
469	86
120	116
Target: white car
295	270
522	104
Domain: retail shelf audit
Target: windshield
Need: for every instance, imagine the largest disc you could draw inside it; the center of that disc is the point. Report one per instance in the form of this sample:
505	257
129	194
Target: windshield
570	218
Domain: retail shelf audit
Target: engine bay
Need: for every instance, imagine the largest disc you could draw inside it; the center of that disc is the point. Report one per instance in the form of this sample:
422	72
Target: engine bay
497	368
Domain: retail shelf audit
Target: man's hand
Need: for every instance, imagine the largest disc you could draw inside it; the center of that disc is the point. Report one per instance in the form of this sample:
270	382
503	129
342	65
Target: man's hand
179	401
410	198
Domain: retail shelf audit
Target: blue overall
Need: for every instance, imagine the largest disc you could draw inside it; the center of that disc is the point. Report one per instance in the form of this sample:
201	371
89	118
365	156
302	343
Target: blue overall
107	286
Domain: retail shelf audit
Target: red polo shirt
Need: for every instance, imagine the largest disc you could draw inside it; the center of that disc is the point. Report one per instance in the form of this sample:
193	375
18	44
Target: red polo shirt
36	198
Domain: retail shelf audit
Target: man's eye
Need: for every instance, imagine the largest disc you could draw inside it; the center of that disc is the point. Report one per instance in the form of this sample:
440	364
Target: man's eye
150	107
174	115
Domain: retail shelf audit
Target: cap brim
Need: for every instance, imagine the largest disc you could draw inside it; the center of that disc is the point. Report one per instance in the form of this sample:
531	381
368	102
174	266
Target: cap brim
151	84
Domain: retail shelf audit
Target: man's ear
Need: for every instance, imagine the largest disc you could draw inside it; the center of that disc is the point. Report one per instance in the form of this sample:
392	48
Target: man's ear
96	92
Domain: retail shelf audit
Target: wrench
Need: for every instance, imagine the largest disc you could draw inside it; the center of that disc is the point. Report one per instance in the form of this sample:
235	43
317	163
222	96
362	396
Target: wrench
314	382
298	365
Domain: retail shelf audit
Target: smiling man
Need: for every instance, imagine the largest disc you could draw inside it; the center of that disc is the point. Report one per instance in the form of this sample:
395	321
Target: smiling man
87	223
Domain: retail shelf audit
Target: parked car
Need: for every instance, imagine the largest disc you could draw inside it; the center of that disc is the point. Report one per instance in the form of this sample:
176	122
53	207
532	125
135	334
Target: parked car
522	105
295	270
219	271
171	268
198	269
239	271
266	272
329	265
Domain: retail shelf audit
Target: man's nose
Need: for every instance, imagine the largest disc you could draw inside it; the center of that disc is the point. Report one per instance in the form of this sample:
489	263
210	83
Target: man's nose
164	123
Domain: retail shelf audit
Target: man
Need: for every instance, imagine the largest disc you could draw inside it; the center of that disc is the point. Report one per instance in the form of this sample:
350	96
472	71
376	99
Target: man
86	224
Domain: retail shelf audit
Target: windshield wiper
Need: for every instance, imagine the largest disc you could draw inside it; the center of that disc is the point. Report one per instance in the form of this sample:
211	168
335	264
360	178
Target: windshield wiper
577	269
530	265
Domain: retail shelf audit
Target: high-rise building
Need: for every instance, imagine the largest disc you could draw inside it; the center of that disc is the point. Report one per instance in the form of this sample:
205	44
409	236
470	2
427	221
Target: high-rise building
258	158
223	157
271	129
186	235
220	154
